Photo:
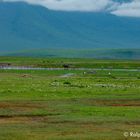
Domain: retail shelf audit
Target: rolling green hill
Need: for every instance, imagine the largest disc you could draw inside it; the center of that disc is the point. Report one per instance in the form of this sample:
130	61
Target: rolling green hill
79	53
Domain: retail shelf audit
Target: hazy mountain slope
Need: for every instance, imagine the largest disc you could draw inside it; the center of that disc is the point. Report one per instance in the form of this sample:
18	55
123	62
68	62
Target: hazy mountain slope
24	26
80	53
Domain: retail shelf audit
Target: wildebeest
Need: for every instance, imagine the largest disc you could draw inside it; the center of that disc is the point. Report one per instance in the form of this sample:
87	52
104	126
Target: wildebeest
66	66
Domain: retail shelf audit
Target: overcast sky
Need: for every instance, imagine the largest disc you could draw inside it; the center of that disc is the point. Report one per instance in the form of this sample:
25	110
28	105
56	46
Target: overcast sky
131	9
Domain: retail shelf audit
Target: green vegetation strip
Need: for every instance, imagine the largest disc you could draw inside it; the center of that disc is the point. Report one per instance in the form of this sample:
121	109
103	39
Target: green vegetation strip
69	105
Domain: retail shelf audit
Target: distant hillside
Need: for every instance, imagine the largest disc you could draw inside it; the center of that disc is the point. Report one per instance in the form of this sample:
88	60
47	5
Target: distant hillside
80	53
28	27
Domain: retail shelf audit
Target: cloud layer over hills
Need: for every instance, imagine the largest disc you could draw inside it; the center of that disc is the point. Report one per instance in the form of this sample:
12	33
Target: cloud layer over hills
130	8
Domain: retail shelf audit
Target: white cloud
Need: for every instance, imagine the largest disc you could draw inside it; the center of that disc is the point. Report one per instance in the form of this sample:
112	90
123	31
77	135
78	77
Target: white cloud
131	8
72	5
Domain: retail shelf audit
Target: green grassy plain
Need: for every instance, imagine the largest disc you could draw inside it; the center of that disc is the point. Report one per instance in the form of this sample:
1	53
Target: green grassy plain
69	104
73	62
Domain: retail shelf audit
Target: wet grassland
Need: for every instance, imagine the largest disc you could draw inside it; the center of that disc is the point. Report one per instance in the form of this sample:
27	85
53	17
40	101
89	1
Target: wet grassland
70	104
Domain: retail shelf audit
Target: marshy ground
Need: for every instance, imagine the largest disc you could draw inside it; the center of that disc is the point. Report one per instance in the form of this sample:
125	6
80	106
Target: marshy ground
69	104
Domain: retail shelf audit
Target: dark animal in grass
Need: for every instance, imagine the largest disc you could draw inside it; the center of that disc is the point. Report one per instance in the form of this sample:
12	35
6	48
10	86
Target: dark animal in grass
66	66
26	75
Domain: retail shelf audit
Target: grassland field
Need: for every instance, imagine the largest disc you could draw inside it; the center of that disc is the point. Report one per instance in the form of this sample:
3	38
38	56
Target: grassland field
73	62
69	104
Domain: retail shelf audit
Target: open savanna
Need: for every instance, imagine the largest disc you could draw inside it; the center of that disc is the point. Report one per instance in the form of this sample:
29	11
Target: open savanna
69	104
72	62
